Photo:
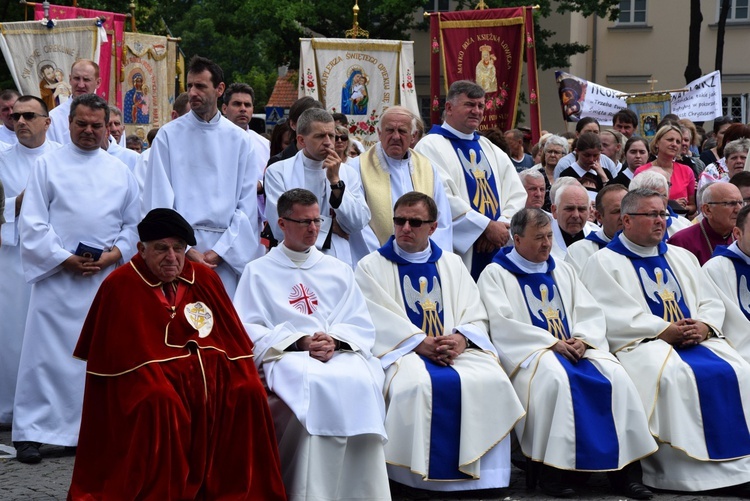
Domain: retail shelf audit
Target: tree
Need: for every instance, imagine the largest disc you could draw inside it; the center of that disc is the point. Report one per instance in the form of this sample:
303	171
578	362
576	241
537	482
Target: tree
693	68
723	14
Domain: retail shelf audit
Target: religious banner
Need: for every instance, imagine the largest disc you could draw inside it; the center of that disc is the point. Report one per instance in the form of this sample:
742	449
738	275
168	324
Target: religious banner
650	109
39	54
147	88
487	47
109	54
581	98
359	78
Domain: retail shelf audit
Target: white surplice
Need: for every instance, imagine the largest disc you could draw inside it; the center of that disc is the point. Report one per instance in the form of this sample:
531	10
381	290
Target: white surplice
548	432
489	407
204	171
400	171
59	128
559	248
72	196
579	252
125	155
8	136
15	166
736	327
468	224
337	407
261	154
302	172
665	382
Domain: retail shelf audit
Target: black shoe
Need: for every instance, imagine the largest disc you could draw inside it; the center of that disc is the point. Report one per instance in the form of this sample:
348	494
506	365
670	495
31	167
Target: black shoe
28	452
556	489
635	490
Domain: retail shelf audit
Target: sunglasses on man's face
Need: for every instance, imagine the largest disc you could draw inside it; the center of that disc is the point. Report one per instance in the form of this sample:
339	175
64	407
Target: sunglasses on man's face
413	222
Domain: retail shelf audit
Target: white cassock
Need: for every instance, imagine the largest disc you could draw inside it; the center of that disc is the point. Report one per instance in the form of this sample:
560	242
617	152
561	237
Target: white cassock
698	450
488	406
125	155
15	166
204	171
559	248
72	196
261	154
604	432
328	416
400	172
59	129
723	270
7	136
579	252
302	172
141	169
469	224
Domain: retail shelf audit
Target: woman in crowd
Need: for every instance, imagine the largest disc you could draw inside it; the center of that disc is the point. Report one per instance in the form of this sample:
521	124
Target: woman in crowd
720	125
667	145
280	137
555	147
636	154
612	142
719	171
341	144
686	154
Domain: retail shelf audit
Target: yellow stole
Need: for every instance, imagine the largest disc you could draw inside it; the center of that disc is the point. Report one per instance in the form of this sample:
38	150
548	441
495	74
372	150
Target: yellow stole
377	183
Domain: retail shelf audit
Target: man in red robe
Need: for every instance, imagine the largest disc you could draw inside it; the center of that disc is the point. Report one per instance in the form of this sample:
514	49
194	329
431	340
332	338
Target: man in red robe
173	406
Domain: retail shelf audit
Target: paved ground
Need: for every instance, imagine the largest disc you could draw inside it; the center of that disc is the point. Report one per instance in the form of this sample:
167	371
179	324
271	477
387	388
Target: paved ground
50	480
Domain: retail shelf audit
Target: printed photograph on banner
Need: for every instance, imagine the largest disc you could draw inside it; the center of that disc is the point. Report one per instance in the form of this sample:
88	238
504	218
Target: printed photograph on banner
572	93
54	88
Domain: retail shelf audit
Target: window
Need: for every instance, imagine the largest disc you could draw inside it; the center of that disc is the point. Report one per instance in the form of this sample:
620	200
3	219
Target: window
739	11
437	5
735	107
633	12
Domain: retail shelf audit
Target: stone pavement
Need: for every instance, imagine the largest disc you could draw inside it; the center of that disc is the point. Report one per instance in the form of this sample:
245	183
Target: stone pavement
50	479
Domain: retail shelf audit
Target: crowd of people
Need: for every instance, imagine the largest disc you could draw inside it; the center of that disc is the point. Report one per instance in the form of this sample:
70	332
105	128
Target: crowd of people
225	315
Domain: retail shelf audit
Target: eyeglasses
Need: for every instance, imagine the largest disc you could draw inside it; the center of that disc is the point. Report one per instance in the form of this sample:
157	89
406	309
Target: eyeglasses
650	215
730	203
305	222
342	138
413	222
553	152
27	115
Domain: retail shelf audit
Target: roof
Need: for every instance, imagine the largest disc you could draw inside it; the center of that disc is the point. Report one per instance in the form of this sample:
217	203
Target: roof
284	92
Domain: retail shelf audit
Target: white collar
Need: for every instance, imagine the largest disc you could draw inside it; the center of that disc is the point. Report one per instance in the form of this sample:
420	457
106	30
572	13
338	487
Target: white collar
413	257
525	264
739	252
639	249
459	134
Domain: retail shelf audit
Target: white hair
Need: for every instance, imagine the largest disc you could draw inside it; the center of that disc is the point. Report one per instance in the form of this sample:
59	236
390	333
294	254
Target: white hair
530	173
651	179
561	186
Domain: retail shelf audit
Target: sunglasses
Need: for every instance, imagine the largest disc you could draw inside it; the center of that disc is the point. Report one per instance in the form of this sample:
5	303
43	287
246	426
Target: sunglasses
28	115
413	222
342	138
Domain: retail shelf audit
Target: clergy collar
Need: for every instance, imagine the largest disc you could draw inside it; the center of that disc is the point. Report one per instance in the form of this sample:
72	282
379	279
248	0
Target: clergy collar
639	250
388	251
526	265
712	233
294	256
390	162
140	267
413	257
733	251
457	133
511	260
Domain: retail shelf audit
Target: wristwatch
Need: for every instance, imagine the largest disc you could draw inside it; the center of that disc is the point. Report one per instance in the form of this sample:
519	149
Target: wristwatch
338	186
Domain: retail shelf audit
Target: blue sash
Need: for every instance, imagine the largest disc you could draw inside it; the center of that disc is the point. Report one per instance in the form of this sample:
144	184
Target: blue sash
597	443
422	295
481	185
724	426
742	269
596	239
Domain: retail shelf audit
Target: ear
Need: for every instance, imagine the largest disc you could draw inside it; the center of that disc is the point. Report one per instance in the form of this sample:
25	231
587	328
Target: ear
736	233
223	109
220	88
553	209
433	227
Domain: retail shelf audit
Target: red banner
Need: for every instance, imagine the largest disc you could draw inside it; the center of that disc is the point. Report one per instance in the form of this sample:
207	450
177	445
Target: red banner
114	24
531	77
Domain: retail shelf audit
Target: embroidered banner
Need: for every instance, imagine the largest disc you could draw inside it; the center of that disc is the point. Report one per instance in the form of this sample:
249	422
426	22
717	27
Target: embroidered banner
359	78
147	89
39	58
113	25
486	46
650	110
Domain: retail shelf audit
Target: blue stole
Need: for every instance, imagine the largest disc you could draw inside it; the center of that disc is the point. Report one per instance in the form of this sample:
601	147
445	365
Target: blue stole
481	185
423	298
672	216
597	443
724	426
742	269
596	239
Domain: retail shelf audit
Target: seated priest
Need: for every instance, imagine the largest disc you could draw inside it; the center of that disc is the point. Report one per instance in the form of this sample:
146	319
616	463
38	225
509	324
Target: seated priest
664	323
313	340
173	406
583	411
450	406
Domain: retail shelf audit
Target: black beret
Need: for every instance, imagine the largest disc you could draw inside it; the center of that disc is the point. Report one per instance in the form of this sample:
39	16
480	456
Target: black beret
165	223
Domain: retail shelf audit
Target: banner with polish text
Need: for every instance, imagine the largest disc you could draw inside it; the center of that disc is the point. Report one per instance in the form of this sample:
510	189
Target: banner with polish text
359	78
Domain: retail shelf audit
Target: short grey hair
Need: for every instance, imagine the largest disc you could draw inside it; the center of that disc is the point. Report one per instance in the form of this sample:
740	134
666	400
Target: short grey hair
471	89
561	186
530	173
524	218
400	110
706	192
650	179
741	145
114	110
308	117
631	201
557	141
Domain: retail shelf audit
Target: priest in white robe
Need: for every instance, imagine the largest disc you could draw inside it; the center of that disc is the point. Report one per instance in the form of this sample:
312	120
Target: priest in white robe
482	185
313	339
583	411
729	271
388	170
317	167
450	405
84	79
570	215
15	166
607	212
664	323
78	201
201	166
